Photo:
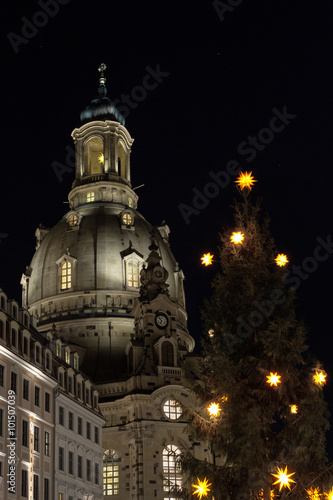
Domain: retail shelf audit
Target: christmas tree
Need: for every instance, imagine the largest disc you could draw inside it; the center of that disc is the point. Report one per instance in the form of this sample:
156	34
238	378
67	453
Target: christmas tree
262	409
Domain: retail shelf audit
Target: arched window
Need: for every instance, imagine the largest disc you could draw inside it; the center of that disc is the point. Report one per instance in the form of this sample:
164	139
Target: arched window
93	156
66	275
133	273
1	330
172	478
167	354
121	160
111	473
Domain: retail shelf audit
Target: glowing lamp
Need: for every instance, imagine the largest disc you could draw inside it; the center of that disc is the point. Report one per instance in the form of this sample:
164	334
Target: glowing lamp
237	238
261	494
273	379
293	408
207	259
202	488
101	158
320	378
281	260
314	494
245	180
283	478
214	409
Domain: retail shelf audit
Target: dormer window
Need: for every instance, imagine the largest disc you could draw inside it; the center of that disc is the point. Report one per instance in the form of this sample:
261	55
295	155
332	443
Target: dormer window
73	220
66	269
58	350
133	273
67	356
127	219
66	275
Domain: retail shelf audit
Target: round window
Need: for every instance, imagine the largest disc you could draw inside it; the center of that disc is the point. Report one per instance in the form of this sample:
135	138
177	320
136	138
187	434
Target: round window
172	409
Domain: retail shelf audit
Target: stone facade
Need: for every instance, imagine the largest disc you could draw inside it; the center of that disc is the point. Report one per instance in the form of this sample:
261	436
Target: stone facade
35	374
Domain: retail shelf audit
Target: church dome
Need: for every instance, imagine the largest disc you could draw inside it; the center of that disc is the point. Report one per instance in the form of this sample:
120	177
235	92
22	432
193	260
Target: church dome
104	248
85	275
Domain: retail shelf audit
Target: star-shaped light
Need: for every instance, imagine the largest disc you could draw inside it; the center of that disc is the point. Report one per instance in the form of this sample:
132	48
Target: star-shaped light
273	379
101	158
214	409
293	408
281	260
207	259
237	238
320	378
202	488
314	494
245	180
329	494
283	478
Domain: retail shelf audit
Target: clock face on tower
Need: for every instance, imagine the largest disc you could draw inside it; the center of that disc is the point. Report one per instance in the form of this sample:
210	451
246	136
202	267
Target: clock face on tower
161	320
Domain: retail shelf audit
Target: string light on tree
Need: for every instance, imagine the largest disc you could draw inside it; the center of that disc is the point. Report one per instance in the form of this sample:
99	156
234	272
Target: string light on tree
207	259
237	238
202	488
293	409
273	379
314	494
320	378
245	180
281	260
283	478
329	494
261	494
214	409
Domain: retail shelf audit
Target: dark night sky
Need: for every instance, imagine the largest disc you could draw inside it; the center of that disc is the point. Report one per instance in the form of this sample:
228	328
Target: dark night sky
221	80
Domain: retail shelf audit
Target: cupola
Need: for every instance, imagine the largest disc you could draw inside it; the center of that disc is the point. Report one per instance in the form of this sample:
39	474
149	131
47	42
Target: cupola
102	154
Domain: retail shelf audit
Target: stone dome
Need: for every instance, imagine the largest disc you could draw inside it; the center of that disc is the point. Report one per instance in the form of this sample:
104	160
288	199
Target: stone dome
99	246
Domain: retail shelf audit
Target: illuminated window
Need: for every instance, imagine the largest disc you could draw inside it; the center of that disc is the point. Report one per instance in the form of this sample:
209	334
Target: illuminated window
90	197
111	473
58	351
133	273
172	478
67	357
66	275
127	219
172	409
73	220
93	156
